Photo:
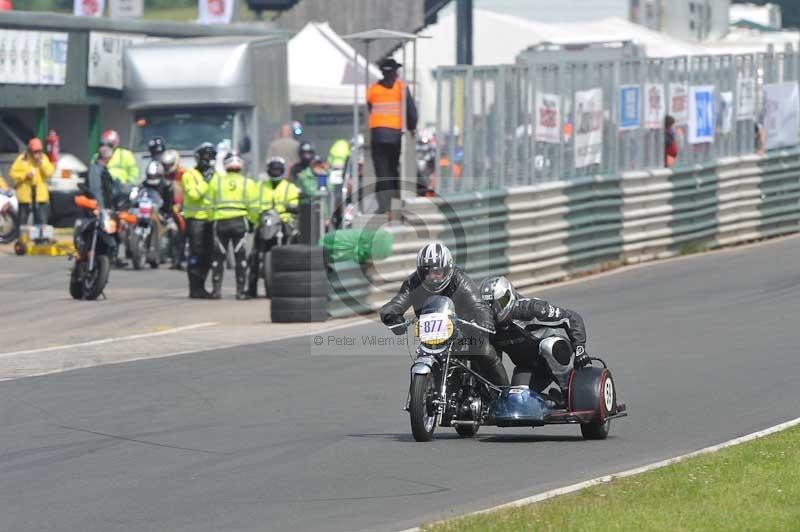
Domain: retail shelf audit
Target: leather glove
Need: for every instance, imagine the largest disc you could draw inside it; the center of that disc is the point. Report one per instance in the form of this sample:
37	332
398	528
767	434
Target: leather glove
581	358
397	325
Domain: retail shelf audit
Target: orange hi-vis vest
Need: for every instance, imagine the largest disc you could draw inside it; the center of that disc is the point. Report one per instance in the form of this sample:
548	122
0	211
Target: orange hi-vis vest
386	105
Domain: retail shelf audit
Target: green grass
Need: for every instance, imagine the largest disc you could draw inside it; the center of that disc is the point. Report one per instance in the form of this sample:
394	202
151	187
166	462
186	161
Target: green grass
690	248
752	486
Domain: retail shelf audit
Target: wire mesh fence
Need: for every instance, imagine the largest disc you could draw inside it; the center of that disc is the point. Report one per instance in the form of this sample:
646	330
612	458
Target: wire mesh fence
512	125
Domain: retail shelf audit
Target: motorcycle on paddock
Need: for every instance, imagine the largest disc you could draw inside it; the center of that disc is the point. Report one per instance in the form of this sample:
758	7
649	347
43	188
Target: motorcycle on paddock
95	245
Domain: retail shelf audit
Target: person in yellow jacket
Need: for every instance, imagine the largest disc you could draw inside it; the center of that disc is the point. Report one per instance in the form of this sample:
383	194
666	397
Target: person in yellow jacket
31	171
230	195
197	212
278	194
122	163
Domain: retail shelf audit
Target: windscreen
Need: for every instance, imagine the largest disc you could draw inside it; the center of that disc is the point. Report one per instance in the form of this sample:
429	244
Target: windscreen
183	129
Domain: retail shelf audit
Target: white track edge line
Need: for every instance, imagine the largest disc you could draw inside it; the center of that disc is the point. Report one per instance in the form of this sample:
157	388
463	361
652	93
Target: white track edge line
109	340
630	472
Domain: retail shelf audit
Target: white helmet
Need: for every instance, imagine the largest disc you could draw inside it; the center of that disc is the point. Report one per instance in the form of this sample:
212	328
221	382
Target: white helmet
499	293
233	162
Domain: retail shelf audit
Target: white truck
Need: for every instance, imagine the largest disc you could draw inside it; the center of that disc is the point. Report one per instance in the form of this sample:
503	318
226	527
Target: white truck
230	91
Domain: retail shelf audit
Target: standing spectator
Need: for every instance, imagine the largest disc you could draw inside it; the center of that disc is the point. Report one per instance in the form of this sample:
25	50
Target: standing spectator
122	165
286	146
384	100
31	171
670	142
305	154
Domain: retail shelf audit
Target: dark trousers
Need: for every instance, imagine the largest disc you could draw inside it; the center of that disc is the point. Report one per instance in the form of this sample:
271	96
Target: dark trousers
201	244
386	159
232	231
40	213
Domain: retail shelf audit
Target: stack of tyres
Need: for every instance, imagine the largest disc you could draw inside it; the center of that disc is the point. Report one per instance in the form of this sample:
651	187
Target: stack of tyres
299	284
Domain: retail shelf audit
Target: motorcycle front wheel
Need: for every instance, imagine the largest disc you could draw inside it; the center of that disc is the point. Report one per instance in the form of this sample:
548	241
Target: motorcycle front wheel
94	281
75	285
421	408
9	228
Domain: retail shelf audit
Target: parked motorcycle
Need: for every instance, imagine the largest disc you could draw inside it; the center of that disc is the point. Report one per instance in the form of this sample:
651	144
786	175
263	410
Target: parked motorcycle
144	237
447	391
9	216
271	233
94	245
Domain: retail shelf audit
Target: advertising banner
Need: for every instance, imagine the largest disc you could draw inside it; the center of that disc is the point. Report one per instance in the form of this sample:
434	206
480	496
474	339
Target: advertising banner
548	118
781	114
655	106
630	107
702	114
588	127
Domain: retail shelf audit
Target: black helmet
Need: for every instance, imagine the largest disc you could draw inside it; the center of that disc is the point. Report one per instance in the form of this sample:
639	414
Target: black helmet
434	267
205	155
499	293
156	147
276	167
154	173
306	152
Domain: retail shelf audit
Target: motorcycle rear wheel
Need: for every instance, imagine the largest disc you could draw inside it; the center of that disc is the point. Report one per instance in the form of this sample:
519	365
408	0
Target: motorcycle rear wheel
138	251
422	413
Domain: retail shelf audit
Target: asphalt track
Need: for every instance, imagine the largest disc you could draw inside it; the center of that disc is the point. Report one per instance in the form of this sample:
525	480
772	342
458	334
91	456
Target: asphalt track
293	436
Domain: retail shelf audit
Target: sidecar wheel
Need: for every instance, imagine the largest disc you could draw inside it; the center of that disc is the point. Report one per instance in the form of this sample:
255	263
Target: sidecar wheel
422	412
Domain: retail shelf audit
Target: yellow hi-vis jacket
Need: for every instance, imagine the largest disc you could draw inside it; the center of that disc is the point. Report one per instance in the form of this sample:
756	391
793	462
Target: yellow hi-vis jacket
285	194
230	195
41	175
122	166
196	204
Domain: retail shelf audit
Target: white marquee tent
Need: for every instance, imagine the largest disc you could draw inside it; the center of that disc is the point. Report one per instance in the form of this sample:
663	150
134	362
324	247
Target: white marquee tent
321	68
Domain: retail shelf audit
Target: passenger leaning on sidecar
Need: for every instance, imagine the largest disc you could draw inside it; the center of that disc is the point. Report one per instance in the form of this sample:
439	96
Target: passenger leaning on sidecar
521	325
436	275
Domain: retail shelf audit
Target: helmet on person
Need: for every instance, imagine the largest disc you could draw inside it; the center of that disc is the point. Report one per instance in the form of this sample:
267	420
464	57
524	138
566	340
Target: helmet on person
110	138
276	167
171	160
233	162
434	267
306	152
205	155
156	146
297	129
499	293
154	173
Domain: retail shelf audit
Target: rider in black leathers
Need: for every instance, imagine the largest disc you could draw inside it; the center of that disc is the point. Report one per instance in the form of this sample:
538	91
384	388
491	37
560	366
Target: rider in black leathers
521	323
436	275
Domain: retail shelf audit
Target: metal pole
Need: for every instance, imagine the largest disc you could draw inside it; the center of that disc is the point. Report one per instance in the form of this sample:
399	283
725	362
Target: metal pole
464	32
354	152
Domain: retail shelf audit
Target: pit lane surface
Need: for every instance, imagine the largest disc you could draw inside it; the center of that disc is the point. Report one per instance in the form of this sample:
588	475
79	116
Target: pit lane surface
291	435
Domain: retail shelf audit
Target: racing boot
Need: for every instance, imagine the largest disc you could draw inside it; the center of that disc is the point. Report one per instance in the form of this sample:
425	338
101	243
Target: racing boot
241	294
196	283
495	372
217	270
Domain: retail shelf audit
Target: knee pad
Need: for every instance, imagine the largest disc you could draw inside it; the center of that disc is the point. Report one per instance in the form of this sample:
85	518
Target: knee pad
194	260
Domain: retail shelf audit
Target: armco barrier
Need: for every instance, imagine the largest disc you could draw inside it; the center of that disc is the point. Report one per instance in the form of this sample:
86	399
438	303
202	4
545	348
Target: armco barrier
538	234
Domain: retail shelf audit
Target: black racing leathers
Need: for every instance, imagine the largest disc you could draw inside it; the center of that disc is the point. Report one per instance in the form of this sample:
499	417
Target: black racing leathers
519	338
469	307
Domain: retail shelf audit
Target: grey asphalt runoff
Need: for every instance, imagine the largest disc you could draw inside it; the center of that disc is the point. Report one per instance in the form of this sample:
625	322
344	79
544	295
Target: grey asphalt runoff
293	436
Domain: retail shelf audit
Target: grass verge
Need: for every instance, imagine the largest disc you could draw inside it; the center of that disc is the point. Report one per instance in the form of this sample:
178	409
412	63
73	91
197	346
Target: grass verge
752	486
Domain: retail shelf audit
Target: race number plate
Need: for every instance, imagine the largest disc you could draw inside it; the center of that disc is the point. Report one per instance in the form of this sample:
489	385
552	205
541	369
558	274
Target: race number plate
145	208
435	327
